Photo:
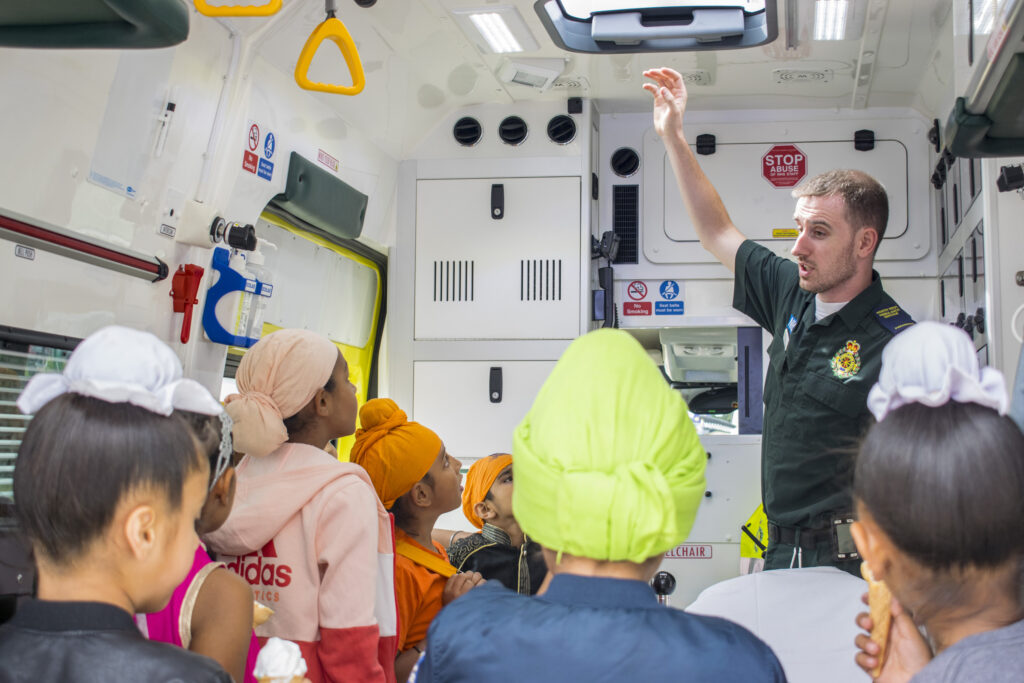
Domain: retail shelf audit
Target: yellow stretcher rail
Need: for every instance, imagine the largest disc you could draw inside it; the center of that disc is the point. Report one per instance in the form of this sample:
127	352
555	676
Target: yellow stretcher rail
264	10
331	29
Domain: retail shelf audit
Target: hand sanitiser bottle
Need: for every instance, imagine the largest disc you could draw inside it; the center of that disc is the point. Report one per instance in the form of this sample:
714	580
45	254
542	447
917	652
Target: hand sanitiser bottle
258	301
230	309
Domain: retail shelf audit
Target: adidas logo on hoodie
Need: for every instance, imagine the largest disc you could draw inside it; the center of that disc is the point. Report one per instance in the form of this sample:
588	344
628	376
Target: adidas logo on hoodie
263	571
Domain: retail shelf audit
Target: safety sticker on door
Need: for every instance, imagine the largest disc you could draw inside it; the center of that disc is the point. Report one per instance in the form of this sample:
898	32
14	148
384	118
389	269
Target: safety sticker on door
670	301
640	301
636	308
259	148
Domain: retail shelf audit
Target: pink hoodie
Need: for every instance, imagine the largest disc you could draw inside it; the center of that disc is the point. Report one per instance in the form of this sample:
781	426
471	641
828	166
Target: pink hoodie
312	538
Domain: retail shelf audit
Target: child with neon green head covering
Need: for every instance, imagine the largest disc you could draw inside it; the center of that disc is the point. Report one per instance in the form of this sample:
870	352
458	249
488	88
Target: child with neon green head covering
609	475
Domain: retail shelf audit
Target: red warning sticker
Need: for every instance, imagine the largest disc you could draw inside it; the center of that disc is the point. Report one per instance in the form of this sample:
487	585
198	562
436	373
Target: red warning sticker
690	551
327	160
249	162
784	165
636	308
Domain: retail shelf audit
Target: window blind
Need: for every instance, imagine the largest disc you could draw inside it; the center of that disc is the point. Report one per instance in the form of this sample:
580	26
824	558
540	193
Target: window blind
18	363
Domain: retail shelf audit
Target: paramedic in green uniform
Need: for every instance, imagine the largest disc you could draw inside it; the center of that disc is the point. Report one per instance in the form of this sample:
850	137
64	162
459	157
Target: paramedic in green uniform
829	318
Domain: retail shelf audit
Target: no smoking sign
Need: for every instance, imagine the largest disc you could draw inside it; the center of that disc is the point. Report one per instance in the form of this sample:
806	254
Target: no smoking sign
636	290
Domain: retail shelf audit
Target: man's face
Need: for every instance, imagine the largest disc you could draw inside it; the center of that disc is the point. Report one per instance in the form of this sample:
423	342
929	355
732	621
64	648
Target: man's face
825	250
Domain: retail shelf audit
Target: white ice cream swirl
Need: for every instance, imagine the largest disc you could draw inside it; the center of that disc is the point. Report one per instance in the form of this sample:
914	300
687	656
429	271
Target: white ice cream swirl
279	659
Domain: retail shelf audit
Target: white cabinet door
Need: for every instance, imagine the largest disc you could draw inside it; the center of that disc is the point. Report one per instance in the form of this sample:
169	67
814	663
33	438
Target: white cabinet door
514	277
763	209
453	398
754	169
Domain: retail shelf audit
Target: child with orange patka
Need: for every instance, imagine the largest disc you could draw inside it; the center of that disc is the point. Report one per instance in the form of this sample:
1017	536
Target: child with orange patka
500	551
307	532
418	481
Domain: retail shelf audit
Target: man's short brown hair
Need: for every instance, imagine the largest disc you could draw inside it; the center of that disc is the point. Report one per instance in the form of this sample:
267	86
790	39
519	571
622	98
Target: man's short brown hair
867	205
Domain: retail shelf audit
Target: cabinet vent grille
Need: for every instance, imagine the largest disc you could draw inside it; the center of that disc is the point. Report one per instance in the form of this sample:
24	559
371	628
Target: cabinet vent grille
540	280
453	280
626	220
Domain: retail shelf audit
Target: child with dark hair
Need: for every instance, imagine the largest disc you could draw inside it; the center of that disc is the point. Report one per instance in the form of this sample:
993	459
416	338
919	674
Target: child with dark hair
307	532
211	611
938	486
500	551
108	485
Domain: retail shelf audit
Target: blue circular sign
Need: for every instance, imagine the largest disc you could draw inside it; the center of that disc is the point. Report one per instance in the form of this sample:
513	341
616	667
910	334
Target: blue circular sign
268	146
669	289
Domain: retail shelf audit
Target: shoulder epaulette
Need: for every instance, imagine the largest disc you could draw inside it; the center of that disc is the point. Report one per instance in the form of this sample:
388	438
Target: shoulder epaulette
893	318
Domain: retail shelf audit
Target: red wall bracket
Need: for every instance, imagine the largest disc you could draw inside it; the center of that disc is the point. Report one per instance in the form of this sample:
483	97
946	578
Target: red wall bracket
184	292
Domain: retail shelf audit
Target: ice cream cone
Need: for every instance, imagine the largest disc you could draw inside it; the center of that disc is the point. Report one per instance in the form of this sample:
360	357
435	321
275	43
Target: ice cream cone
260	613
879	605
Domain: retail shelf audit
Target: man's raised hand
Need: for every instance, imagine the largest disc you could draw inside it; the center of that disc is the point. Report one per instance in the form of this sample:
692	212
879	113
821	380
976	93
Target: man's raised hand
669	93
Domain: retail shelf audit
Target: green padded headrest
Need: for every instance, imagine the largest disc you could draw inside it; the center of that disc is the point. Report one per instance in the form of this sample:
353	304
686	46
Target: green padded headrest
322	199
121	24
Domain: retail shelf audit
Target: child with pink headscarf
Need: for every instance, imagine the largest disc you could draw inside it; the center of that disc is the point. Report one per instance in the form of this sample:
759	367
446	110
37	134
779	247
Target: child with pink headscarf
308	532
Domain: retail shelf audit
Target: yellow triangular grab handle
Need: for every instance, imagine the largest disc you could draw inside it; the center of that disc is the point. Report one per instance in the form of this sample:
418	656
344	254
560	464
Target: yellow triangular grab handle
331	29
265	10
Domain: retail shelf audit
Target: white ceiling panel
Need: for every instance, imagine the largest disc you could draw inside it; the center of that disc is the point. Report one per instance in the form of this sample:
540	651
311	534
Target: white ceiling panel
420	65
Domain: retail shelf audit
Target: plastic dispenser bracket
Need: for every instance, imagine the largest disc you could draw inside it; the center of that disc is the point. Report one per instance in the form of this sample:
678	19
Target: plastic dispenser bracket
331	29
184	292
228	280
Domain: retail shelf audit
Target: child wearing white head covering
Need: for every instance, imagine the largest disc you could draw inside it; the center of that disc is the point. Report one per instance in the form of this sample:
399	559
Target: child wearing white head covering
938	487
108	484
121	364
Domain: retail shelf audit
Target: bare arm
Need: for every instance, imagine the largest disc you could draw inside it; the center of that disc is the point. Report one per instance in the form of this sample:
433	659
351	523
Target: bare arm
447	536
714	227
405	661
222	621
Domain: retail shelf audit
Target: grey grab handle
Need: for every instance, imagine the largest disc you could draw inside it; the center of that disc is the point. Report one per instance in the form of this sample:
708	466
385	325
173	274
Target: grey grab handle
494	388
627	27
497	201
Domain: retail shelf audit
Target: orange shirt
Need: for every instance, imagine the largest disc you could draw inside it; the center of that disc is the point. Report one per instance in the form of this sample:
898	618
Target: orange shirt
419	593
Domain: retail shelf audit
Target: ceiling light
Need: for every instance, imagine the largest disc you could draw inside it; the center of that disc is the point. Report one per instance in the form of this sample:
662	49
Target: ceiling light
830	19
496	32
499	29
535	73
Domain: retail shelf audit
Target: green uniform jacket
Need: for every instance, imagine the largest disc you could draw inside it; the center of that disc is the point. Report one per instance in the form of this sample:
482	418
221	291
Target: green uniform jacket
815	394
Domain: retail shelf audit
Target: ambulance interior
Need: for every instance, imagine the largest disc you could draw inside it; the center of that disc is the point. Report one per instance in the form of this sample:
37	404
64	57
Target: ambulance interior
489	193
